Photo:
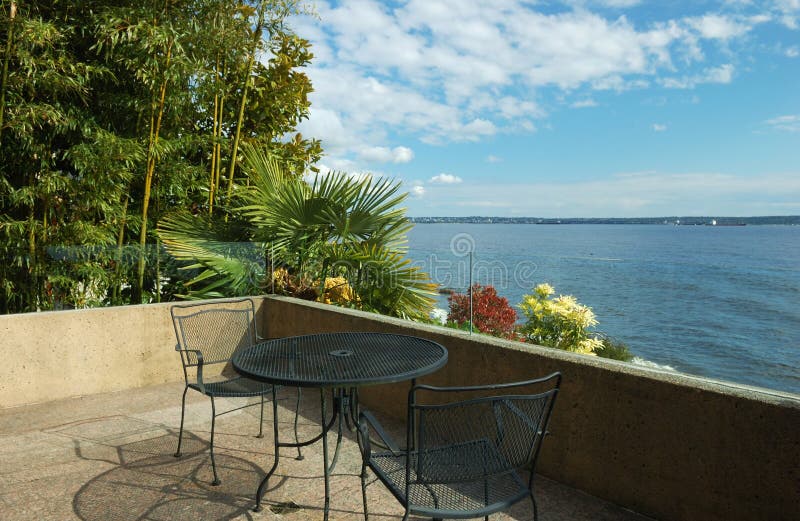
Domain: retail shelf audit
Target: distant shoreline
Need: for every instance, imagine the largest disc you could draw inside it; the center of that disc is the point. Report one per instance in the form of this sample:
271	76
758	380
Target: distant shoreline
671	221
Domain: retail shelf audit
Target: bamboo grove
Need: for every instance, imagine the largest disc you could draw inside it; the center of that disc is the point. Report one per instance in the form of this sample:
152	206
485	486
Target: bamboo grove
114	113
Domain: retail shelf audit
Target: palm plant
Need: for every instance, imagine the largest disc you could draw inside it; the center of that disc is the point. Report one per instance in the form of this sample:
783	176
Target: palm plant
334	226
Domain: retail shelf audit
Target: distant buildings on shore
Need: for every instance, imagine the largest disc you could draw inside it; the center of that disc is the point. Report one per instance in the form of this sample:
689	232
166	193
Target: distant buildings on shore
675	221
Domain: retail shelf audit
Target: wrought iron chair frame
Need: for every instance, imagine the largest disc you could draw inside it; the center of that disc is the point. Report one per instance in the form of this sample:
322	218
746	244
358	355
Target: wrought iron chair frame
256	388
367	423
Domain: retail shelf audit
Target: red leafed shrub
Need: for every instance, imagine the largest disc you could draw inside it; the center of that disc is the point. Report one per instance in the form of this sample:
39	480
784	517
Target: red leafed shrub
491	313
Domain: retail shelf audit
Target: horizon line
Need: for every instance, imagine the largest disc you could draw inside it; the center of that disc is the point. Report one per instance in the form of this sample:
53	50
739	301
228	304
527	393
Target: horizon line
789	216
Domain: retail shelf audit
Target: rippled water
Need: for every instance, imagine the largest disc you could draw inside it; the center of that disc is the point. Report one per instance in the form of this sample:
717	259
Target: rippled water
719	302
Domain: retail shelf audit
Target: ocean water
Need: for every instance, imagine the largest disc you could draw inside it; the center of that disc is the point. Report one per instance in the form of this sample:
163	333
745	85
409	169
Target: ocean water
717	302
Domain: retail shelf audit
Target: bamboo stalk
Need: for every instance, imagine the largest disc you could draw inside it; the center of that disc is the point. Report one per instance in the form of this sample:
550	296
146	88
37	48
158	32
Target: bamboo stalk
211	188
151	166
33	268
248	70
217	123
9	41
218	142
218	173
115	295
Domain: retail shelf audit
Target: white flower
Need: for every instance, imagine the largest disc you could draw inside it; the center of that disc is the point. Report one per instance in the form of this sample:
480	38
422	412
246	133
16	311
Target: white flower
439	315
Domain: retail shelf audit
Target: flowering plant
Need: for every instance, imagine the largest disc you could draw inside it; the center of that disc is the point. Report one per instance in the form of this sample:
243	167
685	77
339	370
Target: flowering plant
338	291
335	290
491	313
560	322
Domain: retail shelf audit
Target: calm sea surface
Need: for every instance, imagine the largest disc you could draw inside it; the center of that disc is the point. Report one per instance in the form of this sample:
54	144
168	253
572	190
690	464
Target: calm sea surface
718	302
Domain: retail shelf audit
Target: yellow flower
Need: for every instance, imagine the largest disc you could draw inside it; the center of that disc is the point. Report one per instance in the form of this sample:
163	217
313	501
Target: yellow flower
588	346
338	291
280	279
544	290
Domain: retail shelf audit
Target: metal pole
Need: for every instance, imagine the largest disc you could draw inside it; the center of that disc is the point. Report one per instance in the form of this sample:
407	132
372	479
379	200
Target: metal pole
470	293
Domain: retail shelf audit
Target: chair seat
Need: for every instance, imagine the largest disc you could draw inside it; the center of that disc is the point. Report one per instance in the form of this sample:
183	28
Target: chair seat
234	387
462	480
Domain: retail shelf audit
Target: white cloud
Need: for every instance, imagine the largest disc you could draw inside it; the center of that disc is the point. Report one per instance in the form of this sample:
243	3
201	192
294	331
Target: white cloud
510	107
493	159
477	203
445	179
417	190
788	123
617	83
714	26
722	74
447	71
617	3
631	195
387	155
443	71
341	165
792	52
788	12
657	127
760	18
584	103
476	128
325	124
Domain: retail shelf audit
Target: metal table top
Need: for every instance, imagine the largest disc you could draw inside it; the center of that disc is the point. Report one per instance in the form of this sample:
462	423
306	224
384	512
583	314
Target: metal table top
340	359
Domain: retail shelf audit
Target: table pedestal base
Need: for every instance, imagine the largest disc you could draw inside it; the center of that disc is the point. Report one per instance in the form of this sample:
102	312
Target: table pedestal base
345	409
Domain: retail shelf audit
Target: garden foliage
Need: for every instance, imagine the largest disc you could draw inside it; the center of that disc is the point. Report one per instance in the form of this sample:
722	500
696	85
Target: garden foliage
560	322
491	313
114	113
336	239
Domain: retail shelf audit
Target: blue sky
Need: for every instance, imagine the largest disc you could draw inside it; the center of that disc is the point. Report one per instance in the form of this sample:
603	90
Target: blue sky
593	108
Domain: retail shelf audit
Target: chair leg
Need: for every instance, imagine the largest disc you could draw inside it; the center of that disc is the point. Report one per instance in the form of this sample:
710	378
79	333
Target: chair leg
364	491
535	511
213	463
261	420
296	414
180	432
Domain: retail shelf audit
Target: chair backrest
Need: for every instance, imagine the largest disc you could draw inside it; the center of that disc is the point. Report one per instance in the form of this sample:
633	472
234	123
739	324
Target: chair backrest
216	329
481	436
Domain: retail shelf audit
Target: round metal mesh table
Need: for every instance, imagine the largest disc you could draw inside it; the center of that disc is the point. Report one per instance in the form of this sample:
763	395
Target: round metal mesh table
340	359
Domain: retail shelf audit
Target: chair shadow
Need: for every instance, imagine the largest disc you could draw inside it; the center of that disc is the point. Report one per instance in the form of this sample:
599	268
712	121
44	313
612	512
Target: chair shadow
144	480
149	482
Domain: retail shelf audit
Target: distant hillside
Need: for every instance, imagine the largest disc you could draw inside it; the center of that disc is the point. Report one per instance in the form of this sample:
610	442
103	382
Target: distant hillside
674	220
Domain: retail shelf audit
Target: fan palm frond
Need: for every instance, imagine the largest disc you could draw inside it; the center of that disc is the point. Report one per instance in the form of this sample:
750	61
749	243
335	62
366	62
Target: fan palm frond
334	225
227	263
384	280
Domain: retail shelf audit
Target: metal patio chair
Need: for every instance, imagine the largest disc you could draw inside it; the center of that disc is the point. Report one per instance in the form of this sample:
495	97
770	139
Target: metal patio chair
209	334
462	459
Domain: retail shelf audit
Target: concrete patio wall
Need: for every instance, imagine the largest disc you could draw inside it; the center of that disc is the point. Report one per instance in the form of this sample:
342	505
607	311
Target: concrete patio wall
670	446
61	354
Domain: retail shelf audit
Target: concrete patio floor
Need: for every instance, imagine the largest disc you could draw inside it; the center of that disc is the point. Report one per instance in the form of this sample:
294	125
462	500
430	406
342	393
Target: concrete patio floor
109	457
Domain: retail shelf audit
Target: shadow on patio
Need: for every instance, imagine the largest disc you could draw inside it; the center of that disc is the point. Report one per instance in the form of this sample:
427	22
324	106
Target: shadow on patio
110	457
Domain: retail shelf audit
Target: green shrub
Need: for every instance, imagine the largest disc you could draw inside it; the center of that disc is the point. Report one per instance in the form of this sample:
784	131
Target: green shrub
614	349
560	322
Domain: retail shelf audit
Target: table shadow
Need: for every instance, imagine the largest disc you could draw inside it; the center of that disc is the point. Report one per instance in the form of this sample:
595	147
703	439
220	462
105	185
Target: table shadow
149	482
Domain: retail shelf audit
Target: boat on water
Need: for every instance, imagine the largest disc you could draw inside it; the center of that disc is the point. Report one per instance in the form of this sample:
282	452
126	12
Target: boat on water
715	223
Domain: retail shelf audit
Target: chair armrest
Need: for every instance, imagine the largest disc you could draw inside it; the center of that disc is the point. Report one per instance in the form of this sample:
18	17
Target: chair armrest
199	356
367	420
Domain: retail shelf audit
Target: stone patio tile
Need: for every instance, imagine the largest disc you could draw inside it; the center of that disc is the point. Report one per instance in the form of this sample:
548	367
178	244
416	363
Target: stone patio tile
111	458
